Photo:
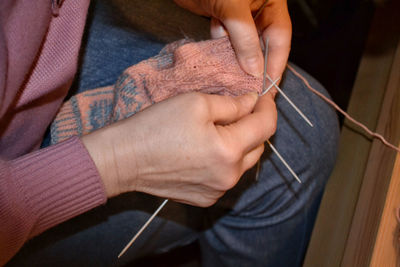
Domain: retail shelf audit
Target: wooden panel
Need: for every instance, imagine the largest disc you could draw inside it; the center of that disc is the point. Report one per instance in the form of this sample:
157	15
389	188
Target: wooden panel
387	246
377	177
334	220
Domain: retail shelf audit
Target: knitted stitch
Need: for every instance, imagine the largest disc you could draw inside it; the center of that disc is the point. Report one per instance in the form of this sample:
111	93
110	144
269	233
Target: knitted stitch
182	66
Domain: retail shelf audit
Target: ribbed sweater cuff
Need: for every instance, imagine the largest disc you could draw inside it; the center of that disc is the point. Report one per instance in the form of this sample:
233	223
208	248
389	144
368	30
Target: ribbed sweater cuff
58	183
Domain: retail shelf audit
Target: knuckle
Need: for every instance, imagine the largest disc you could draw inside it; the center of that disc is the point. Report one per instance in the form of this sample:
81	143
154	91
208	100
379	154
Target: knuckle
273	121
210	202
226	182
198	103
220	9
206	202
233	106
269	128
210	199
228	155
272	129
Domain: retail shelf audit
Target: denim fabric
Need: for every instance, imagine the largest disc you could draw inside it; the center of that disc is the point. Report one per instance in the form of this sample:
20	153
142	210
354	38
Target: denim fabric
258	223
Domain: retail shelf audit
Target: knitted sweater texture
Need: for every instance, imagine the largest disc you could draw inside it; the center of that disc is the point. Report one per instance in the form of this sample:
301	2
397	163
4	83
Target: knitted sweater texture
181	67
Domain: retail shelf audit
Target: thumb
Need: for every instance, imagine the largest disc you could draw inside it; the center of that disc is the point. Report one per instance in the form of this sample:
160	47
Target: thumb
277	27
217	30
244	38
278	50
226	109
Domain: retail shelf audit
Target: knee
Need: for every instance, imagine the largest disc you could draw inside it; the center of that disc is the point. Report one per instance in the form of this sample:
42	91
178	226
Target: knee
326	131
321	140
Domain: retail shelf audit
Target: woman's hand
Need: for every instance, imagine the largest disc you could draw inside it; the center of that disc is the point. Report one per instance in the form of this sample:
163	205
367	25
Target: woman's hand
191	148
235	18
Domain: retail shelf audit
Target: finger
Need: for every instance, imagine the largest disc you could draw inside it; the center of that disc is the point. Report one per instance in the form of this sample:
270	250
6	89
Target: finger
255	128
242	30
278	50
225	109
266	100
193	6
217	30
275	25
251	158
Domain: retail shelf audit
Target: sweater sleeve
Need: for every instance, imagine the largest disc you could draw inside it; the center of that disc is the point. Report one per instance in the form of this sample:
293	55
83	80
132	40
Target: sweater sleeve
44	188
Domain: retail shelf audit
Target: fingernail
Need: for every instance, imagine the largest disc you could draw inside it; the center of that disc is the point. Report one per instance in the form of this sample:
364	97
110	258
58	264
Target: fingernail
254	66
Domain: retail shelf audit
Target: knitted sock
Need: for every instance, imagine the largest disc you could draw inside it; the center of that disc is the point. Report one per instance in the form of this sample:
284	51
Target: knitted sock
181	67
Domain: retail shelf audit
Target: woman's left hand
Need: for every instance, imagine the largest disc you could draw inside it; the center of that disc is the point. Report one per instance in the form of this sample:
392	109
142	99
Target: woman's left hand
235	18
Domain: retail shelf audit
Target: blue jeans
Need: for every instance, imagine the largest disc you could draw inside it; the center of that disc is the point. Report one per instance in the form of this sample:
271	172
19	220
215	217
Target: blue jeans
258	223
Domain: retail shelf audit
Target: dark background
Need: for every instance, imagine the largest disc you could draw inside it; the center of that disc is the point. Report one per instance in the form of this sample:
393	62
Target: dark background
328	41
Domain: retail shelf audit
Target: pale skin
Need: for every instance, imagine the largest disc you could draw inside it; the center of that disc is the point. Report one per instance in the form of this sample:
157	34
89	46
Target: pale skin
235	19
194	147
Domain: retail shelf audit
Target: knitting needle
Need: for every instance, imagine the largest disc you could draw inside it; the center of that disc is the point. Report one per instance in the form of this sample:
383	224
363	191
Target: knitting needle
273	83
270	86
265	65
290	102
284	161
264	91
143	228
260	10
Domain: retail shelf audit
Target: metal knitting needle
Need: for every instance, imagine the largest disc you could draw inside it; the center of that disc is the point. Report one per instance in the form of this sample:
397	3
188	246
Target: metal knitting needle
264	84
270	86
143	228
290	102
273	83
265	65
264	91
260	10
284	161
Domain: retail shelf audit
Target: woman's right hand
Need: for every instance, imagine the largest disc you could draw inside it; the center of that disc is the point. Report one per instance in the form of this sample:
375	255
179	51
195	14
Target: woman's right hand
191	148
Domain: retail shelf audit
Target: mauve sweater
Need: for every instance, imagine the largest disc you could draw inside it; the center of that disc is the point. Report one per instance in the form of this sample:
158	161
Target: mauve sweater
38	60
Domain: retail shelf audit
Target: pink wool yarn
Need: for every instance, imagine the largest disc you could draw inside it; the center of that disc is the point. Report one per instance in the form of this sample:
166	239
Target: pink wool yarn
181	67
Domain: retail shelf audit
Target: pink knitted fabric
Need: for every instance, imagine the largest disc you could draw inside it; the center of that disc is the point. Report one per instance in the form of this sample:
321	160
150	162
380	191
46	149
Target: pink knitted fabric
181	67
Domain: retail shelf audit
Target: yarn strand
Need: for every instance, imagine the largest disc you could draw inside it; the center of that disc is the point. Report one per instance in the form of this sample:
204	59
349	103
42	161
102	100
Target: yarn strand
333	104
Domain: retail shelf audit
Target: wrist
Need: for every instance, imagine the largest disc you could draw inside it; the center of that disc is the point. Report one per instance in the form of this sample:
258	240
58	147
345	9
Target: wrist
101	150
